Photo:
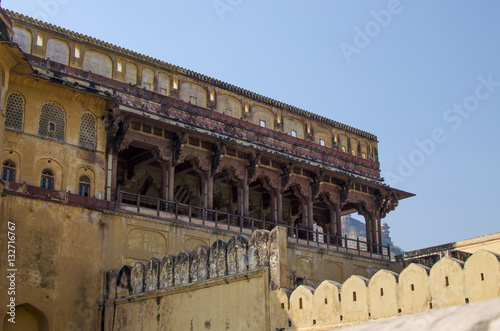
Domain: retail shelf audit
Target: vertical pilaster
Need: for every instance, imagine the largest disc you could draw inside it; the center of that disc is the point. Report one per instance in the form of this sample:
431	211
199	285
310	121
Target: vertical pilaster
338	218
113	173
210	192
164	180
279	201
171	182
246	199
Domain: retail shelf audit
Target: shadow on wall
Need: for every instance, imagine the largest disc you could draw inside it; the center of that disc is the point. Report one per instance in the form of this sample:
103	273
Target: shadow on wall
416	289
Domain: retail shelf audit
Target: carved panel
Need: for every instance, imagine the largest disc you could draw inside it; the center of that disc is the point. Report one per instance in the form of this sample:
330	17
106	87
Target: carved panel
143	244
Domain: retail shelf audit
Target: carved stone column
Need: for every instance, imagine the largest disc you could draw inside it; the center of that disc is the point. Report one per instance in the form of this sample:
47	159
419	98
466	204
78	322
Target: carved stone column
171	182
113	173
164	180
279	207
210	192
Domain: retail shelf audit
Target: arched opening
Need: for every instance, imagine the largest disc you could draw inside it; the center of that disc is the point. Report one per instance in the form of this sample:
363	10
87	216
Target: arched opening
27	318
261	202
294	212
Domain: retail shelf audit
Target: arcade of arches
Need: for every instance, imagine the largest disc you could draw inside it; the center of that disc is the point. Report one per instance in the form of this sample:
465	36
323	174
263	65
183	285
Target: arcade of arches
190	168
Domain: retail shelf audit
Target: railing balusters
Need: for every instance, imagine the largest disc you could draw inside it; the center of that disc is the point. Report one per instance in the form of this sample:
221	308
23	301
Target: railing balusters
126	198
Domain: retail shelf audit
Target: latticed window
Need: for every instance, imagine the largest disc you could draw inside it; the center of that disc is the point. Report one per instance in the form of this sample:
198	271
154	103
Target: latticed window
130	74
14	112
97	63
87	132
9	171
52	122
193	94
47	179
84	186
57	51
23	39
147	79
162	84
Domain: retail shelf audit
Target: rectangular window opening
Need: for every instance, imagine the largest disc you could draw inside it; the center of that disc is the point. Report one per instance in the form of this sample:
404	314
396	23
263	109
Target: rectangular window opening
412	287
326	301
446	281
282	305
300	303
381	292
322	142
354	296
262	123
482	276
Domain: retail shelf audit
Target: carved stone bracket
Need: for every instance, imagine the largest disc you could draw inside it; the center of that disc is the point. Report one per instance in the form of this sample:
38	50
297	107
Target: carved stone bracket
316	184
161	154
287	170
218	152
179	141
117	126
385	203
344	191
253	163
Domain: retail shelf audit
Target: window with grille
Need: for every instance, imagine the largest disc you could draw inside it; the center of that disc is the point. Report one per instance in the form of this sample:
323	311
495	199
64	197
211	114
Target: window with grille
47	179
52	122
57	51
9	171
162	84
97	63
84	186
193	94
23	39
147	79
130	74
14	112
87	137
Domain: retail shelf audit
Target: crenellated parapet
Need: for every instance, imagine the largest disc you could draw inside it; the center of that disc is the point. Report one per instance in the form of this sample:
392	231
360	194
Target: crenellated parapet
387	294
222	259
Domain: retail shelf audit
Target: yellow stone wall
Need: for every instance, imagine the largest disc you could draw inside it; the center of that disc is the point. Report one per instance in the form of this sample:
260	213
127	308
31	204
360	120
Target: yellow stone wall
417	289
235	303
328	264
31	153
61	249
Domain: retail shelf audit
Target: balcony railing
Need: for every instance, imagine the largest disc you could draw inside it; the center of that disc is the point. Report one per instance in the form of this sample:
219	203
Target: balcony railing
244	224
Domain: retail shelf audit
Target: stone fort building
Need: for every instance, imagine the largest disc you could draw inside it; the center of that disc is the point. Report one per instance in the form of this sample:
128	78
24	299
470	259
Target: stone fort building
142	195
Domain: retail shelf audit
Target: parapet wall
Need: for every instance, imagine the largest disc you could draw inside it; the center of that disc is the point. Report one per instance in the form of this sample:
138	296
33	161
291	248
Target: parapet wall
387	294
238	255
225	286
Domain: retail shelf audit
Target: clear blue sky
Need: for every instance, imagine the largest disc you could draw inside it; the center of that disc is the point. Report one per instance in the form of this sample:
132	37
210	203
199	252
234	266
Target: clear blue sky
405	71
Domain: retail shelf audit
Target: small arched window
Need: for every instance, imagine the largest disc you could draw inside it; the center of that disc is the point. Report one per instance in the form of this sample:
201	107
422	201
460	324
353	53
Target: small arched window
47	179
9	171
84	186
